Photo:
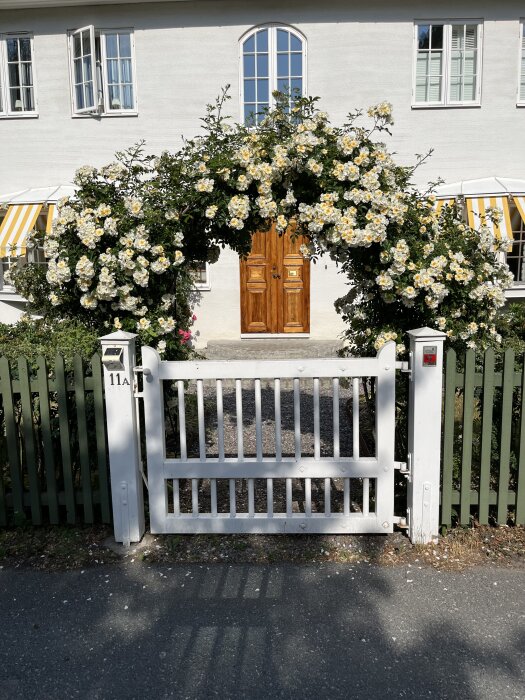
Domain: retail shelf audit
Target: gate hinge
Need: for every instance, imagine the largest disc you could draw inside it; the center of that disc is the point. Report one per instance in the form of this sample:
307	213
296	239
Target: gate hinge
405	468
405	367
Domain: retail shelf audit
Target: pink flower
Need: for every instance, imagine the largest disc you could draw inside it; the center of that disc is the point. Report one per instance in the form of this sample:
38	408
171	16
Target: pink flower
194	318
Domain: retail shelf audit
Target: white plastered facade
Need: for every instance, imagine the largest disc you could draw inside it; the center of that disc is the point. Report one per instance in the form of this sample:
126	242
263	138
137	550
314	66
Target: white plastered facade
358	54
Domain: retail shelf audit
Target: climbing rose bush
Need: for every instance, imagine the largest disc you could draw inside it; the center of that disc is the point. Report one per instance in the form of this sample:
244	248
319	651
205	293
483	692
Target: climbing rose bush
115	258
121	249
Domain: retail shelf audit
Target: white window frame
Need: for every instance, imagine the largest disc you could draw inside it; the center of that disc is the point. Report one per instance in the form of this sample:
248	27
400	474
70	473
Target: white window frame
520	101
272	60
100	78
447	52
7	112
204	286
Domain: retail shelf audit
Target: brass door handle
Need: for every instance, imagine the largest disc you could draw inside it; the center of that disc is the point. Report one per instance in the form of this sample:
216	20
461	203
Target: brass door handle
276	277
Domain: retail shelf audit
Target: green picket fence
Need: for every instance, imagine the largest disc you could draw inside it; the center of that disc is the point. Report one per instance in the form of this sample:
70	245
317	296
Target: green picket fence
53	452
483	471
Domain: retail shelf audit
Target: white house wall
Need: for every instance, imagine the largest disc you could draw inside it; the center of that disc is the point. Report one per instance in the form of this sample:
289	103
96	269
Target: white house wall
358	54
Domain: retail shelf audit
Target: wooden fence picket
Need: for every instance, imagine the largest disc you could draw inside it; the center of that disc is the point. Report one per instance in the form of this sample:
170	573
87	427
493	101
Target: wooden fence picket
100	426
47	440
65	439
83	445
506	429
486	436
466	453
30	456
11	432
448	439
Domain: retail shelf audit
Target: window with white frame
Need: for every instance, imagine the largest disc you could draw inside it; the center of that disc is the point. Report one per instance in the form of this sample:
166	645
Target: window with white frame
200	273
272	58
102	71
17	84
521	90
516	256
447	63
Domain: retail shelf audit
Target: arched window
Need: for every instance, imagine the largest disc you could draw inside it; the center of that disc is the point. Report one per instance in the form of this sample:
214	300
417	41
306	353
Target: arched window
272	58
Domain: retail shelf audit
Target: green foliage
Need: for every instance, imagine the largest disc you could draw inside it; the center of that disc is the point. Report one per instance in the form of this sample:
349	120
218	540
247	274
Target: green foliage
511	325
34	337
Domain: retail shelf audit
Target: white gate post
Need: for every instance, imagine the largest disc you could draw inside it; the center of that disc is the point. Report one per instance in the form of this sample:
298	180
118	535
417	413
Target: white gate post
118	358
424	433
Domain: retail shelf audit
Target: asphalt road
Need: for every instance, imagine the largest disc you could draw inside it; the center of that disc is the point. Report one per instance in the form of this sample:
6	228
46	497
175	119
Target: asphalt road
251	631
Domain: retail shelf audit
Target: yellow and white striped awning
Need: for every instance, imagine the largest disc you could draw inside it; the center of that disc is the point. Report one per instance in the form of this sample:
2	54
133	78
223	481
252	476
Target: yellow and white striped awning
444	203
19	220
519	201
477	216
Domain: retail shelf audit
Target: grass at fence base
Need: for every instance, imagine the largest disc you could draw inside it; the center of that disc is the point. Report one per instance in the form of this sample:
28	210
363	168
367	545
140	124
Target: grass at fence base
62	547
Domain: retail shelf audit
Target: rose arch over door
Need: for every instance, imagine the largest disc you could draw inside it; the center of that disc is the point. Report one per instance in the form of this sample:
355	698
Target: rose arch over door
275	285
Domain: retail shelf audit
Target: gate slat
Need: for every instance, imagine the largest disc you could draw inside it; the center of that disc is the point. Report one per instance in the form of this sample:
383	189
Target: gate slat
47	440
486	436
220	419
520	496
289	497
297	417
258	420
327	496
346	505
176	497
277	398
366	496
468	420
182	421
448	438
238	410
355	417
233	509
195	497
335	412
506	430
11	431
65	438
251	498
30	456
308	496
200	418
213	492
269	497
317	437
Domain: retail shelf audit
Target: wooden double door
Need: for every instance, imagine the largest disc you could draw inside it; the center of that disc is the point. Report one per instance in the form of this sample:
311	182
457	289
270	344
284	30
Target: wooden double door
275	285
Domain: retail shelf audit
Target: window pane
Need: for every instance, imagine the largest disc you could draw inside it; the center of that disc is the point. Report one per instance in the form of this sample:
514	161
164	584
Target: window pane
282	65
262	40
262	65
458	31
283	85
16	100
89	98
113	72
435	63
87	68
249	114
455	89
297	86
422	64
249	90
124	41
25	49
295	43
127	97
437	36
79	96
423	36
12	49
14	75
421	90
434	90
283	38
249	66
296	64
126	74
78	70
114	97
249	45
27	74
262	91
111	46
28	100
77	46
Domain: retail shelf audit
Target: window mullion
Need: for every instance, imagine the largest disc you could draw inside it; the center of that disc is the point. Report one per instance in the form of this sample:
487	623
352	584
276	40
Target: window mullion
447	62
272	64
104	71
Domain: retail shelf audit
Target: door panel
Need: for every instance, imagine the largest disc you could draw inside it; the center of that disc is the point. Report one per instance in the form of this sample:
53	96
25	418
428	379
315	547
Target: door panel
275	285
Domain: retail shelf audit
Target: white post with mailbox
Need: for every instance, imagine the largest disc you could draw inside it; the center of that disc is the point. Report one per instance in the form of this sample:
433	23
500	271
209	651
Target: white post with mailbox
424	433
118	359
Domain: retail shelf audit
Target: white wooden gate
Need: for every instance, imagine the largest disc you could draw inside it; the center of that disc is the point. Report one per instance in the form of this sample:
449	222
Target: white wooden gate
364	485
